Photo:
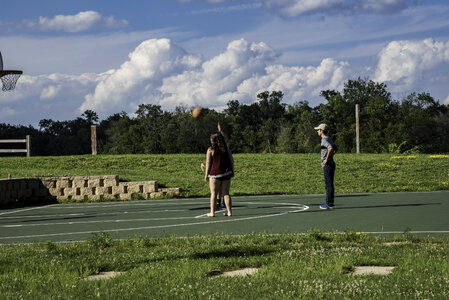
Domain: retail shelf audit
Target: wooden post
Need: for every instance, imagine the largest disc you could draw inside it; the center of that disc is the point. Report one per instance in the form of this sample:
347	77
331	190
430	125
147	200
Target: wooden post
28	141
357	129
93	139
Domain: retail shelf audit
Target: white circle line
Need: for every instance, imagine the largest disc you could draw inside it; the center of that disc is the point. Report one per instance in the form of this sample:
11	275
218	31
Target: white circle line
304	208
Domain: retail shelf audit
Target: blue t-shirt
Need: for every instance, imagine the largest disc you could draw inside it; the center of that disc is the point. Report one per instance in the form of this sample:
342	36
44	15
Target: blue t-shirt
326	143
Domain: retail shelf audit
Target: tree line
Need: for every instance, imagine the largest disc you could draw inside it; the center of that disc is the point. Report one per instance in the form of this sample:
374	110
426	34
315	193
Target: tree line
416	123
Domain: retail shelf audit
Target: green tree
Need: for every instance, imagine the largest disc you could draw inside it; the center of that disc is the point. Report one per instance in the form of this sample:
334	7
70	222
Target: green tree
377	115
424	124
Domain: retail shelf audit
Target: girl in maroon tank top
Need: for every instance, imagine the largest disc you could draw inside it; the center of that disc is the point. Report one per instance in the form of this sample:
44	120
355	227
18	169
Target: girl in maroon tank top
219	170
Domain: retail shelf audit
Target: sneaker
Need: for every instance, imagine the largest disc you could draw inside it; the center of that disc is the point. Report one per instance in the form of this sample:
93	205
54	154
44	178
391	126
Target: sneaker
325	206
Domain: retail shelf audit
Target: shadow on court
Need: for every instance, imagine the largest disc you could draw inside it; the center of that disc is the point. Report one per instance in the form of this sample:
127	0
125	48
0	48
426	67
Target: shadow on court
342	207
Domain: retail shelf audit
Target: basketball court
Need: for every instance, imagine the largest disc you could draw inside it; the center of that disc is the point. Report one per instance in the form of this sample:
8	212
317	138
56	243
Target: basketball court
380	214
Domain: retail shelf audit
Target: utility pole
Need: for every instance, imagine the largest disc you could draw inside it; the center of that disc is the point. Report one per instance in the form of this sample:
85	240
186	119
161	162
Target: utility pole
357	129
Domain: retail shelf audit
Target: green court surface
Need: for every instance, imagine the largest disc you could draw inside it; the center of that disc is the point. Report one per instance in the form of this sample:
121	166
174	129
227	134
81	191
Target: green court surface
383	213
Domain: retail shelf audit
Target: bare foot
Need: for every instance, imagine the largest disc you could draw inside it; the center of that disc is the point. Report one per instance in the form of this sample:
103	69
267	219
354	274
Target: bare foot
210	215
226	214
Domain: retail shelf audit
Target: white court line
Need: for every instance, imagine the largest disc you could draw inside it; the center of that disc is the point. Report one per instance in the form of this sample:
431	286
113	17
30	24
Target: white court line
93	215
119	220
93	222
126	212
26	209
81	206
289	205
231	219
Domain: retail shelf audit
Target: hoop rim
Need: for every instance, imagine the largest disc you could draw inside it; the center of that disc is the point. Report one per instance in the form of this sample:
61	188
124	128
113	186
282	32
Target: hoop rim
6	72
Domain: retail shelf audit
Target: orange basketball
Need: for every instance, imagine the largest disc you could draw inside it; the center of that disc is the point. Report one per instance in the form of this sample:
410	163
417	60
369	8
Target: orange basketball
197	112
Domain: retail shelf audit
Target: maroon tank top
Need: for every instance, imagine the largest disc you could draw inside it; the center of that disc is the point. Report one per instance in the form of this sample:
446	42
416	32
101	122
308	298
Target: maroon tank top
221	165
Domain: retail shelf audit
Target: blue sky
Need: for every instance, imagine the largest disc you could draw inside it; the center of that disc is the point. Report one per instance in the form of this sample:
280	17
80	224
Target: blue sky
110	56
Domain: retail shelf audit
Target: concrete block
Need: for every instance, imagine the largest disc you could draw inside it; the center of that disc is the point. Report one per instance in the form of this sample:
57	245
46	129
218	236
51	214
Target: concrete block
125	196
63	182
111	180
95	197
69	192
48	183
23	184
51	191
81	181
33	183
156	195
116	190
123	188
78	188
173	191
94	181
105	190
78	198
28	193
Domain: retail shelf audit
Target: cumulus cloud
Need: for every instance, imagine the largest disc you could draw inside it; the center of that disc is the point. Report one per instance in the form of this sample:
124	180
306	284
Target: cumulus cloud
50	92
82	21
404	62
160	72
54	96
447	100
140	76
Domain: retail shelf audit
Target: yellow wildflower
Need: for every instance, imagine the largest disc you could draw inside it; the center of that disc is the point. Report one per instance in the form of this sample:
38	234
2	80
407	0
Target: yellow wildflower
438	156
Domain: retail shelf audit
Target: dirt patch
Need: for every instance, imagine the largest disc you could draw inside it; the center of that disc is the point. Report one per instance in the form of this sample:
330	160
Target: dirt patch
372	270
104	275
242	272
396	243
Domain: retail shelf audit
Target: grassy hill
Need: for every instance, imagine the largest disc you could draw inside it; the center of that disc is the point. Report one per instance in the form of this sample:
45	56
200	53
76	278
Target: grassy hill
255	173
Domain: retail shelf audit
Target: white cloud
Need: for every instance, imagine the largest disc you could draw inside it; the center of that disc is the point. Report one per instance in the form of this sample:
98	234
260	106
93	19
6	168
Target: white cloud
447	100
148	64
218	78
297	83
82	21
381	6
6	112
54	96
50	92
295	8
404	62
160	72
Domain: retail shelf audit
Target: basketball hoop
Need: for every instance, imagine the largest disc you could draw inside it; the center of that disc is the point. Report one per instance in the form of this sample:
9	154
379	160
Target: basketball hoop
9	79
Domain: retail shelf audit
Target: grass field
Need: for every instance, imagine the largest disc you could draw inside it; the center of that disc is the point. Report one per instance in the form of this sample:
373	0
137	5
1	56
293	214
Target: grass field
311	266
256	174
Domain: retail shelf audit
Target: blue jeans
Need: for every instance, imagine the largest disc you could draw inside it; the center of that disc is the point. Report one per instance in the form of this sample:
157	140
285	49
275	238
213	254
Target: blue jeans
329	171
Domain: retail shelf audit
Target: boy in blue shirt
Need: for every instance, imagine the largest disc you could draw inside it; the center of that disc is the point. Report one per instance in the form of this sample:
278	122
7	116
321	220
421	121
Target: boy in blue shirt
328	149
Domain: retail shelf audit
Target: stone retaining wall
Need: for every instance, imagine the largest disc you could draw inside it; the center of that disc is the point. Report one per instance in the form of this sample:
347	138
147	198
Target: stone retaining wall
78	188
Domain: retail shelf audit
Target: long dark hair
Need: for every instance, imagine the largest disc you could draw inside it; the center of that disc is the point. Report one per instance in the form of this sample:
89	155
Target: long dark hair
218	142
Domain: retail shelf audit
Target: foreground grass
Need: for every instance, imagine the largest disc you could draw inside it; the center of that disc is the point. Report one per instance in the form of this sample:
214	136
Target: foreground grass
311	266
255	173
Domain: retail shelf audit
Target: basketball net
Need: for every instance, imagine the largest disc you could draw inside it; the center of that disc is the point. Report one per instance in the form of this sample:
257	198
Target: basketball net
9	79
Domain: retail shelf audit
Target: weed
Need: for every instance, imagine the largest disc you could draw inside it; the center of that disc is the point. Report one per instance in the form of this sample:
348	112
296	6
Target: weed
100	241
